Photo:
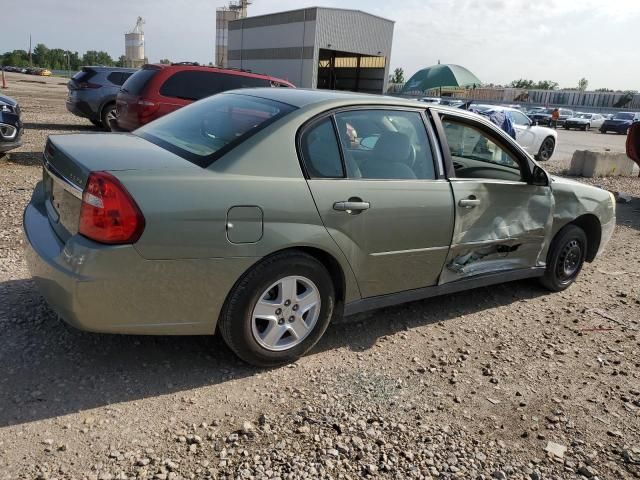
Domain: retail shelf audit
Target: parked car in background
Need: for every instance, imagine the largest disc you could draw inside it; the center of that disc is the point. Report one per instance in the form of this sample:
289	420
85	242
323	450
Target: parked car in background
430	99
533	110
452	102
544	116
584	121
92	93
159	89
10	124
620	122
43	72
536	140
256	214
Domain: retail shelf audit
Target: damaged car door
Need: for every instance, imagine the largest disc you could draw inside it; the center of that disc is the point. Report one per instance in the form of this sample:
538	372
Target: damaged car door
501	217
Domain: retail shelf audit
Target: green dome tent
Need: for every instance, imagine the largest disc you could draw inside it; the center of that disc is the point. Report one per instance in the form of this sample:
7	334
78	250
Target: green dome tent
440	76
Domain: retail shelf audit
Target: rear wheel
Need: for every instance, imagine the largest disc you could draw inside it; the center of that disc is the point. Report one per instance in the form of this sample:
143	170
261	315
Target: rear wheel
278	310
108	114
565	259
546	149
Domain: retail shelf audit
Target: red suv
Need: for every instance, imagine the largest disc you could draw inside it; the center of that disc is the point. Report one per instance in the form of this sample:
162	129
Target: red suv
157	89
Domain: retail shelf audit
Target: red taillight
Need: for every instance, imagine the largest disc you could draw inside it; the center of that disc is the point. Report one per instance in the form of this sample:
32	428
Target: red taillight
146	109
108	213
83	85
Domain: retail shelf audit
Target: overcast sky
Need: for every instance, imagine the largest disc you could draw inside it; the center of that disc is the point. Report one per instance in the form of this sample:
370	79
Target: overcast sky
498	40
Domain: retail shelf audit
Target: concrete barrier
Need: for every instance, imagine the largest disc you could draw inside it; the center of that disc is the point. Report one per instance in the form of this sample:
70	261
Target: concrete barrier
586	163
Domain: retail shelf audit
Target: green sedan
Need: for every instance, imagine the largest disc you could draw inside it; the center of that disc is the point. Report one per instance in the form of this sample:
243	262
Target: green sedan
266	213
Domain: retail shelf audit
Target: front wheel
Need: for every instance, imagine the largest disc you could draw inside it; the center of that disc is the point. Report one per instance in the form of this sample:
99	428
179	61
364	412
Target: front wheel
565	259
546	149
587	127
279	310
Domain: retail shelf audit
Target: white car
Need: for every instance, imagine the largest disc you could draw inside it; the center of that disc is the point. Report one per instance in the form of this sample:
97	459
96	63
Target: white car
584	121
537	141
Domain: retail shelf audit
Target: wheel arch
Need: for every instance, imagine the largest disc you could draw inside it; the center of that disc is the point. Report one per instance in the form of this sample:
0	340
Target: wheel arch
108	101
593	229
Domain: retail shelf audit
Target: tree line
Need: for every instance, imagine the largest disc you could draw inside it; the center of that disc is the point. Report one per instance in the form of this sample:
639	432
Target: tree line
59	59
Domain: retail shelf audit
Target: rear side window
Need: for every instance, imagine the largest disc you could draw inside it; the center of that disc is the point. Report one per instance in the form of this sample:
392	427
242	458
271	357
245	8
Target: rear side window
135	83
194	84
204	131
321	152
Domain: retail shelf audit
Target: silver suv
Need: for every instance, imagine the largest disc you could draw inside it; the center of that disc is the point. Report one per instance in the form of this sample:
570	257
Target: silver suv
92	93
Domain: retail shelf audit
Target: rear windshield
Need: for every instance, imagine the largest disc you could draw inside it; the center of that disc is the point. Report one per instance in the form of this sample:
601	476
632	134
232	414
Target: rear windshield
135	83
84	75
195	84
623	116
204	131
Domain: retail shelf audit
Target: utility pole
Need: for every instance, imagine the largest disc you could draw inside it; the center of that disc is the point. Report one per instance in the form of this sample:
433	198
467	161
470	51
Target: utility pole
30	61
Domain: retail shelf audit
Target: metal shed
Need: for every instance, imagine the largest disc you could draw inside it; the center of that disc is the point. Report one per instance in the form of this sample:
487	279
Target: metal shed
316	47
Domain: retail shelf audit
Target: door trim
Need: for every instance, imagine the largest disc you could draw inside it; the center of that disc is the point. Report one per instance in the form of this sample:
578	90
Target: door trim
485	280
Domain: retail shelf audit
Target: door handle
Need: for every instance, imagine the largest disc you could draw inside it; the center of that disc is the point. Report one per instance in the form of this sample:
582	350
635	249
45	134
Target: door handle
351	206
470	202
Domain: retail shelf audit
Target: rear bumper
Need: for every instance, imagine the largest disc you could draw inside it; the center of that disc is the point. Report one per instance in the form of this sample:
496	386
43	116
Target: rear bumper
112	289
82	109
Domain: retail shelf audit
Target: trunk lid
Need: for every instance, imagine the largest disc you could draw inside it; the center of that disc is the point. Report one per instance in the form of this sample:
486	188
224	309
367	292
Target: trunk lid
69	159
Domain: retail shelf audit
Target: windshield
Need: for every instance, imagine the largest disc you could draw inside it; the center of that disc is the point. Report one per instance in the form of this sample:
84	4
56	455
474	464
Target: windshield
623	116
205	130
584	115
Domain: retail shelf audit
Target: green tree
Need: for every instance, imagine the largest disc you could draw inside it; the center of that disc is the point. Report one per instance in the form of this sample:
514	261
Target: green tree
122	61
398	76
603	90
583	84
546	85
41	55
93	57
165	61
522	83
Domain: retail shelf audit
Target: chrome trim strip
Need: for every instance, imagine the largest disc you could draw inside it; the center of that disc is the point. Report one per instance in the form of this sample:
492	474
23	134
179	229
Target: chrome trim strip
67	185
414	250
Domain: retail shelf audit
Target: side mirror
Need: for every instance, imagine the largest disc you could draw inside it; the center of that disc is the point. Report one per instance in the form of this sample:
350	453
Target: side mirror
539	177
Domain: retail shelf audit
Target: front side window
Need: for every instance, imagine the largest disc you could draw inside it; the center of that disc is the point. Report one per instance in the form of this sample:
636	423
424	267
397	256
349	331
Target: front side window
385	144
475	154
204	131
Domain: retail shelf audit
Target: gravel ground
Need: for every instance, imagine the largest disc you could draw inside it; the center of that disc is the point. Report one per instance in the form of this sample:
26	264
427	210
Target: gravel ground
505	382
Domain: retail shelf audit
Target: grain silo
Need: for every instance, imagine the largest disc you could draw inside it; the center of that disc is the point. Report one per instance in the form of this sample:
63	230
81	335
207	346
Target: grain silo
134	46
224	15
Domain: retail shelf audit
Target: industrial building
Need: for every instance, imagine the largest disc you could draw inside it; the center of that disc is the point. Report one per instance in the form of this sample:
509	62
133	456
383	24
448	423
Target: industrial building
315	47
234	11
134	46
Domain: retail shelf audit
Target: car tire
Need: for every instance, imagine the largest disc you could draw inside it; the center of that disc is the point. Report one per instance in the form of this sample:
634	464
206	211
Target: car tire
587	127
254	307
603	131
108	112
97	123
565	259
546	149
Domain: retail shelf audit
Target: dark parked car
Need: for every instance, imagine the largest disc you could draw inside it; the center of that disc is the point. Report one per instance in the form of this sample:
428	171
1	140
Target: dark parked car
158	89
544	116
620	122
10	124
93	90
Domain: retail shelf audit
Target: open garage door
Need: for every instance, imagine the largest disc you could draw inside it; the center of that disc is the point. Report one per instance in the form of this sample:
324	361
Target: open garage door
350	71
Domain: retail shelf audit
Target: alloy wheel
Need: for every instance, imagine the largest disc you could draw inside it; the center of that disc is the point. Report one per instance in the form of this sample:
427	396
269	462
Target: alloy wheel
286	313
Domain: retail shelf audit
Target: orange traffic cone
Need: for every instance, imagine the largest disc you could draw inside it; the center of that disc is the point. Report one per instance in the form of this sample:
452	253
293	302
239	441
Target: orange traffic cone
4	82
